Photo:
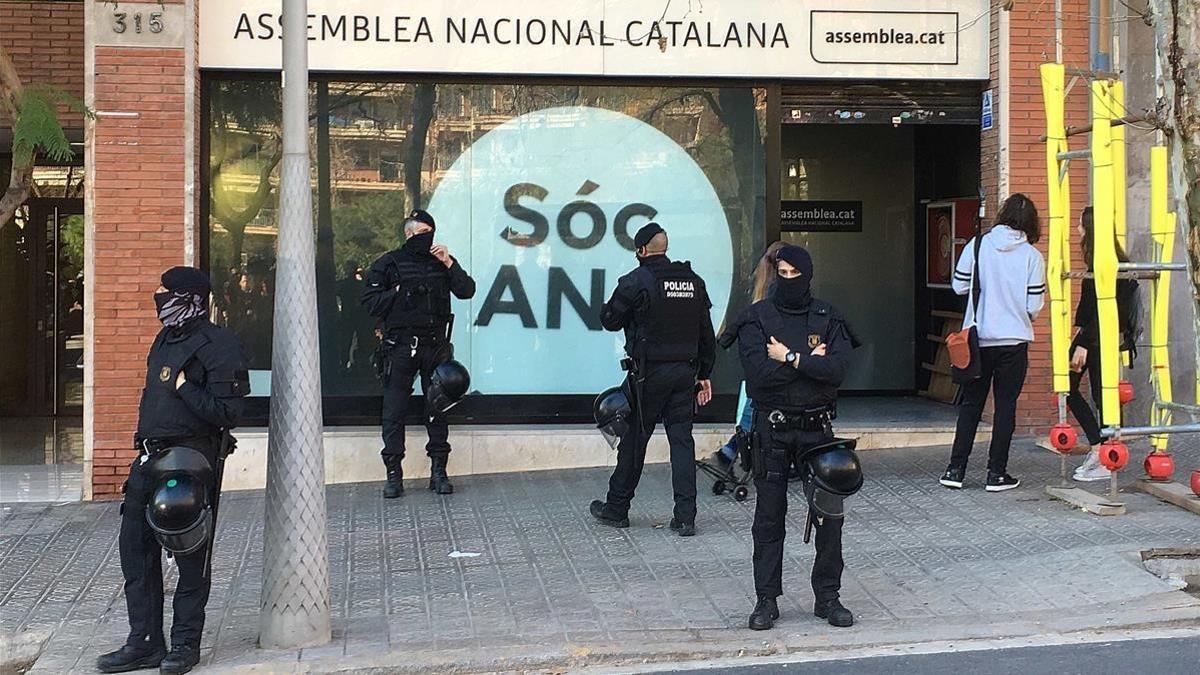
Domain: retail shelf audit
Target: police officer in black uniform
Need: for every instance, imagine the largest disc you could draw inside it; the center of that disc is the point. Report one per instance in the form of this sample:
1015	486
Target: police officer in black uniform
663	308
409	289
795	350
195	380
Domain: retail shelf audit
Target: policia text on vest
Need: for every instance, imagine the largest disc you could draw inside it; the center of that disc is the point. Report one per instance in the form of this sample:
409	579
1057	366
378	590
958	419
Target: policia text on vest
663	308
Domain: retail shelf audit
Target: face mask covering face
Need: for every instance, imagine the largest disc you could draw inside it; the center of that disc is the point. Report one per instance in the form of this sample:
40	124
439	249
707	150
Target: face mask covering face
793	293
176	308
420	243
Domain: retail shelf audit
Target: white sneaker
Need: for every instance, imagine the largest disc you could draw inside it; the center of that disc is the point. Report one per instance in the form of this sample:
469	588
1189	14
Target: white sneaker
1092	474
1090	462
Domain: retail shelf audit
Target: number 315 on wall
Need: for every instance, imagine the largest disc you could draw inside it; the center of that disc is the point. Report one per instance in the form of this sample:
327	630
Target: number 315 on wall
121	22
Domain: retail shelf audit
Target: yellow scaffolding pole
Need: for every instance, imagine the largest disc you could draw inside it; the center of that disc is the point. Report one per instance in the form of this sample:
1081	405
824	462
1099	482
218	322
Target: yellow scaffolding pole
1104	265
1058	187
1162	232
1116	110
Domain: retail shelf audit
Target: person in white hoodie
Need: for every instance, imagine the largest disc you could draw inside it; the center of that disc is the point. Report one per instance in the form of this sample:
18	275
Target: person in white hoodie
1012	283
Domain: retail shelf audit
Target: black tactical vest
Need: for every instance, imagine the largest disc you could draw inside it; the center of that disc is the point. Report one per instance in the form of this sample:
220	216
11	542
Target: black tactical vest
799	331
422	307
668	328
162	414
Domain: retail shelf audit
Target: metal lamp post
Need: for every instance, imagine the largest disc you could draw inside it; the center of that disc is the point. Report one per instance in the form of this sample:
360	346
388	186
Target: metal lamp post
295	590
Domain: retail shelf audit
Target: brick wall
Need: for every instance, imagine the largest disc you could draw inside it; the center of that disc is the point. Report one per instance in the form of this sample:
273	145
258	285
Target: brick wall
45	42
138	214
989	141
1031	43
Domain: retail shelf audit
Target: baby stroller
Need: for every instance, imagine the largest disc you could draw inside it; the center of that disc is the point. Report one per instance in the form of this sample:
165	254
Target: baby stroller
737	476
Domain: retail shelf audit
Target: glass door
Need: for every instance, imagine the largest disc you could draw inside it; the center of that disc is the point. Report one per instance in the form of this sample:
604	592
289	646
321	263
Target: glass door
41	309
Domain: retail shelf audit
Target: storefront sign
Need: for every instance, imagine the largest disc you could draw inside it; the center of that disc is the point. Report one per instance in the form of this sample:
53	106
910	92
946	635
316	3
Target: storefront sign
542	211
825	216
906	38
933	39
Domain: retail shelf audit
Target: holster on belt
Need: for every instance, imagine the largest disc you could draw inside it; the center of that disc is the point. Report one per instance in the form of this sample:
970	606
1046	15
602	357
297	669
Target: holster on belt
380	357
760	442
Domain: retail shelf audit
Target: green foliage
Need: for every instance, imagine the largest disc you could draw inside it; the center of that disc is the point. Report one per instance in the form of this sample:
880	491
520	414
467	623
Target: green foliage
37	129
72	242
367	226
251	105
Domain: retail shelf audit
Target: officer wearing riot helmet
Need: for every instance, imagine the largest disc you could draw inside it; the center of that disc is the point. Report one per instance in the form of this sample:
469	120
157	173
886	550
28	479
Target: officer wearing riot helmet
195	381
795	350
662	307
409	289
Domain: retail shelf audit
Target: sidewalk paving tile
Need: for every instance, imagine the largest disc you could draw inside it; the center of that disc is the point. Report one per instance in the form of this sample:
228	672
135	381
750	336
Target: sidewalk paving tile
547	575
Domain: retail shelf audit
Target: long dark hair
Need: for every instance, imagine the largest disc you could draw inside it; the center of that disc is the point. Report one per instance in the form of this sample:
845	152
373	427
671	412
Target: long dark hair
764	272
1020	213
1087	220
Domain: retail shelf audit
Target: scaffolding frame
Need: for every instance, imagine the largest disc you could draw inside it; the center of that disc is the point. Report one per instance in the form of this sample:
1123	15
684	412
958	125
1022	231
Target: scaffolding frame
1106	154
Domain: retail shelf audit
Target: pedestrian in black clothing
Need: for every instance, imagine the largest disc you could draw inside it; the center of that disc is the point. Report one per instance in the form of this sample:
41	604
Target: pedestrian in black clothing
663	308
795	350
356	325
195	380
409	289
1085	353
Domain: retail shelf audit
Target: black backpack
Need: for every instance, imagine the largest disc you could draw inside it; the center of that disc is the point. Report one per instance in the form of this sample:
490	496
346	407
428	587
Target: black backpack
1129	314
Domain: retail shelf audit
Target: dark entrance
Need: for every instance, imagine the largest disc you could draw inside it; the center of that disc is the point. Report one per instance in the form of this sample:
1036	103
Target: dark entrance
41	351
41	310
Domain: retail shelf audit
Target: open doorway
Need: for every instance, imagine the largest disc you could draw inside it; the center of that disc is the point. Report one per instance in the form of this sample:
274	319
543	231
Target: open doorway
42	351
856	195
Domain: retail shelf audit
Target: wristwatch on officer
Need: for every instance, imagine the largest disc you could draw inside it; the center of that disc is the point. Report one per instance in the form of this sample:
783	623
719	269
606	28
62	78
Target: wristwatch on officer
791	358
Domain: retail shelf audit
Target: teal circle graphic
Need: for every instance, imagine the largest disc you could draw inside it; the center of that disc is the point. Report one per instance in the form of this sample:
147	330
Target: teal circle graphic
538	210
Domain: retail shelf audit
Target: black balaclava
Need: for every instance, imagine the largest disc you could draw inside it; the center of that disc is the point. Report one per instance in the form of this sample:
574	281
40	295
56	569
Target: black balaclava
794	293
186	297
420	243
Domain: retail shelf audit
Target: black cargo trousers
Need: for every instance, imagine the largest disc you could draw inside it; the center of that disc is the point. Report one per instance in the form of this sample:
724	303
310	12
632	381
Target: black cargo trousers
780	450
141	565
404	363
667	393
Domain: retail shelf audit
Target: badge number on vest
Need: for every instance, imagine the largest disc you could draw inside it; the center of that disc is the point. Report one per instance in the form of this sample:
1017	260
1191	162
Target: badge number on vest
165	374
679	289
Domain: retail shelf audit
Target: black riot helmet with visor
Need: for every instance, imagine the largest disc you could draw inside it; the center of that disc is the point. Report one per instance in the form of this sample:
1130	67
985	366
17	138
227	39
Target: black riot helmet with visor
613	414
448	385
832	473
180	509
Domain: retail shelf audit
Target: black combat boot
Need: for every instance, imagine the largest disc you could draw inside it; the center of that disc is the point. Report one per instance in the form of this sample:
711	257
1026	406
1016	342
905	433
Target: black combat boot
766	611
134	655
181	660
439	482
834	612
395	477
684	529
608	515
